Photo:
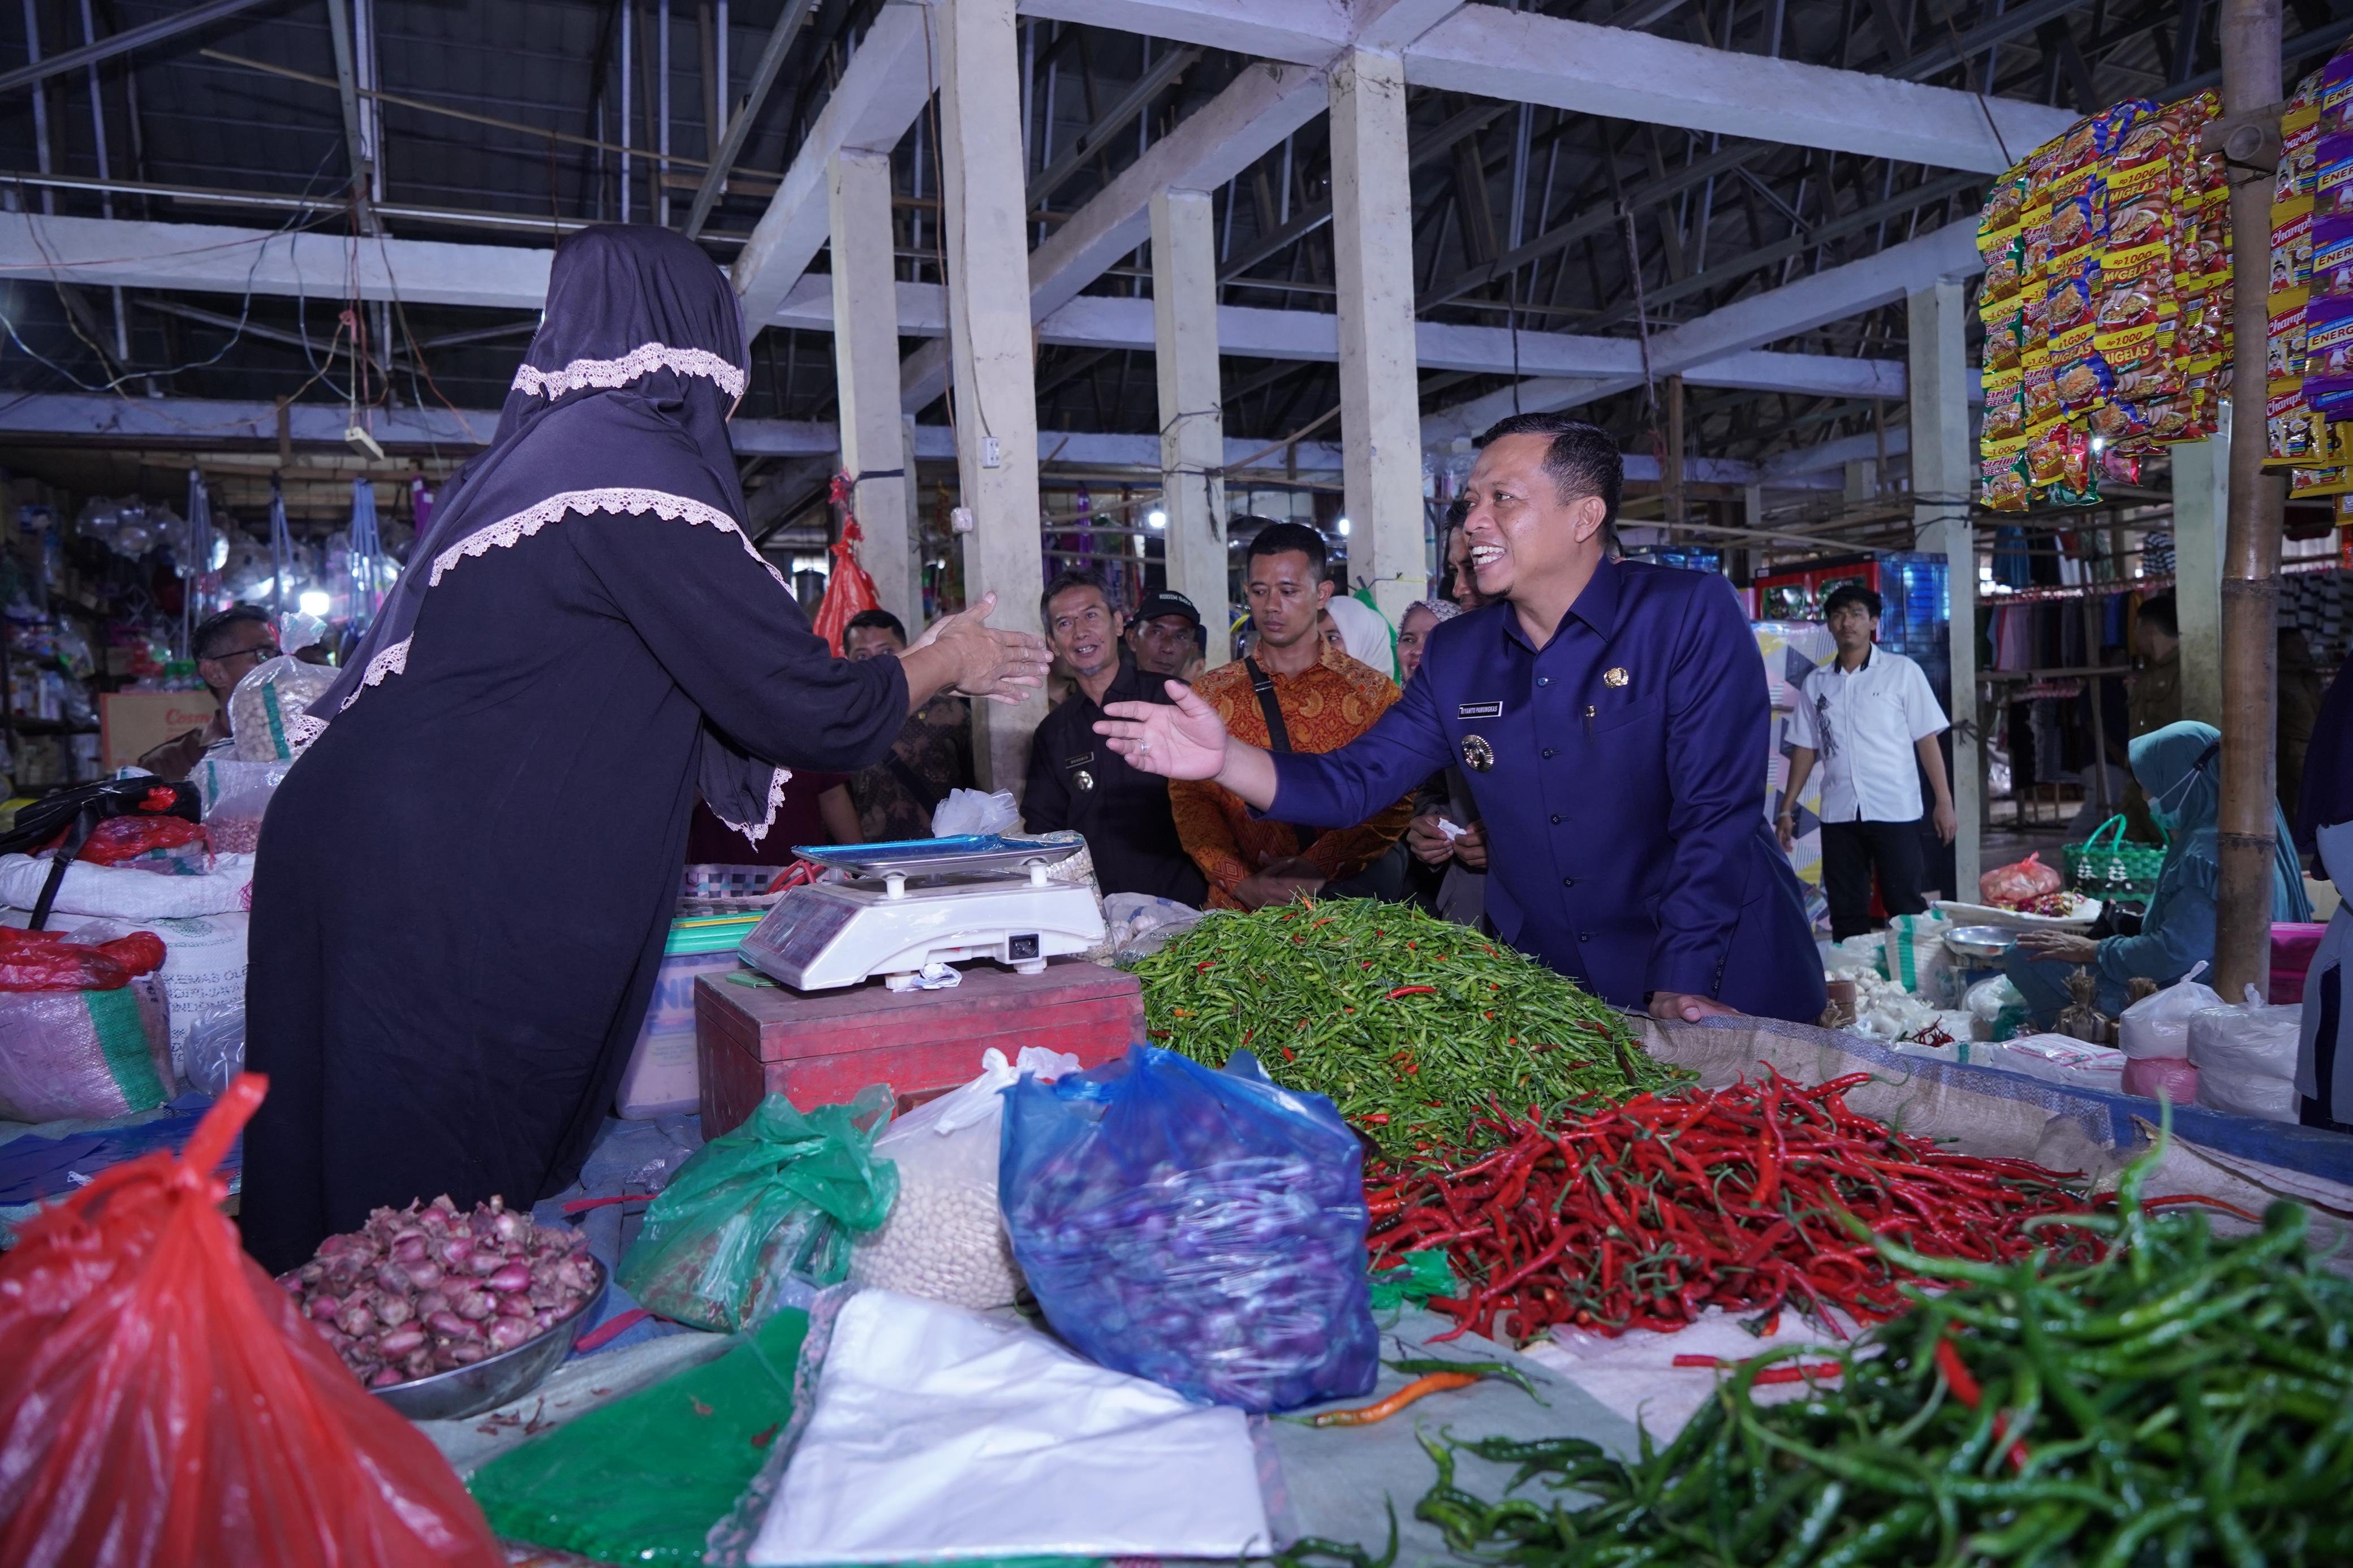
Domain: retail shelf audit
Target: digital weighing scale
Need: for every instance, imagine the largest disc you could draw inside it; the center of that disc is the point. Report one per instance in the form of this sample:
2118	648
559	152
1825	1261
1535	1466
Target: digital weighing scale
901	905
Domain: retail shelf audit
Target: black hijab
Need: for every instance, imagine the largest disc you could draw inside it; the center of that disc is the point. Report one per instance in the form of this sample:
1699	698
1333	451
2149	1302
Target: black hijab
620	407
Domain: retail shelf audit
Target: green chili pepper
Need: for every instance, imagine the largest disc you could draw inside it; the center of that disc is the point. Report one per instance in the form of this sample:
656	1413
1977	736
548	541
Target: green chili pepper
1391	1012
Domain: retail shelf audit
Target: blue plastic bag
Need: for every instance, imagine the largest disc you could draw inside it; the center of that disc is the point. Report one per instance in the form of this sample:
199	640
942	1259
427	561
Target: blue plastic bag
1203	1229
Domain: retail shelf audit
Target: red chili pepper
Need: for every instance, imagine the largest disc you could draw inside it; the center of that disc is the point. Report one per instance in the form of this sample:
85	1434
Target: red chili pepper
1413	991
1289	1055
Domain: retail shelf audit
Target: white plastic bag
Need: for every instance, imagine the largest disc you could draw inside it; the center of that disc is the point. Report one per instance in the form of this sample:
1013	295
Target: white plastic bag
264	705
2253	1040
1917	959
2158	1025
940	1434
2058	1058
969	812
945	1238
2250	1094
214	1052
126	894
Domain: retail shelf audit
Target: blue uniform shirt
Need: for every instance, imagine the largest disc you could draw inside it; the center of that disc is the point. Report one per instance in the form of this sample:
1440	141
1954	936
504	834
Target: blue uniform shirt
1620	771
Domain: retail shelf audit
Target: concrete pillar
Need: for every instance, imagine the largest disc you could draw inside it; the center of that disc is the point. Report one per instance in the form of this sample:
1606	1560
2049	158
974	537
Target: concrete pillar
2201	506
1942	491
1380	406
1861	479
866	375
993	375
1192	422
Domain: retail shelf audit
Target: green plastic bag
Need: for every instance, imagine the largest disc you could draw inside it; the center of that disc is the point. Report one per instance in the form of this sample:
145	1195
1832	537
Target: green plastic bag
644	1478
776	1199
1422	1275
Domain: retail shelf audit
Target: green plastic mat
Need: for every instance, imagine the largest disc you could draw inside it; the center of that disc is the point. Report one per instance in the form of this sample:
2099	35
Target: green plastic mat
643	1479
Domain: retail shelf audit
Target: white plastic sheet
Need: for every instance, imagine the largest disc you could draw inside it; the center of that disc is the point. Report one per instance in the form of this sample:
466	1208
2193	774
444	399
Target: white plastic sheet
944	1434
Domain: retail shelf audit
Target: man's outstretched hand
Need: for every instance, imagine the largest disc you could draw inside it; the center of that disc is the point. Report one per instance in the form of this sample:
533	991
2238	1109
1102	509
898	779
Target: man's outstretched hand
1182	739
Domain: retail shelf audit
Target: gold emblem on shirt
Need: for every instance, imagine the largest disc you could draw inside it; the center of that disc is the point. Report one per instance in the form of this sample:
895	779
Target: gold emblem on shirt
1615	676
1084	779
1477	755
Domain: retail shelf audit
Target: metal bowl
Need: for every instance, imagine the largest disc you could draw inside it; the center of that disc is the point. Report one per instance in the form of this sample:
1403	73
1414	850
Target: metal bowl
492	1380
1982	943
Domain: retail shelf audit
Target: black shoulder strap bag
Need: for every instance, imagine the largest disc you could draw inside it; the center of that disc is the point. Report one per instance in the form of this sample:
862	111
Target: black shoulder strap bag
1277	734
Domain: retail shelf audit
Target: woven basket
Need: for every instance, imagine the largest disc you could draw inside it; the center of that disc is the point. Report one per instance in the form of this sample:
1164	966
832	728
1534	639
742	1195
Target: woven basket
2105	866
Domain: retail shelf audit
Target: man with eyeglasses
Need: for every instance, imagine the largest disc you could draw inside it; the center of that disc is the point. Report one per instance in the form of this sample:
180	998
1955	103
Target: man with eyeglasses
227	647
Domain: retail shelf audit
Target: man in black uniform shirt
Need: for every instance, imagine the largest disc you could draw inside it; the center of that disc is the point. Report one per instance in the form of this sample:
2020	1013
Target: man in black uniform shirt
1077	781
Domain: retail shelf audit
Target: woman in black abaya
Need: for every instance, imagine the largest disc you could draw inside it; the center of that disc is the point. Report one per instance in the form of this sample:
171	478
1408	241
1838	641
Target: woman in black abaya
463	886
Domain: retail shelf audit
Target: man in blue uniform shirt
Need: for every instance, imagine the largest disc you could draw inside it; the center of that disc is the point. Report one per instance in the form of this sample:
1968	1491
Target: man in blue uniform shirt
1612	719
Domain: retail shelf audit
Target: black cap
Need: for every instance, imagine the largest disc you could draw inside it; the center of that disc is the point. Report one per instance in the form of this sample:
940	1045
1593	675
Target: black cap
1167	602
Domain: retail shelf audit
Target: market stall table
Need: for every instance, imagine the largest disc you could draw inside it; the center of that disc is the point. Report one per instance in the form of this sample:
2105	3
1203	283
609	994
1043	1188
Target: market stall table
754	1037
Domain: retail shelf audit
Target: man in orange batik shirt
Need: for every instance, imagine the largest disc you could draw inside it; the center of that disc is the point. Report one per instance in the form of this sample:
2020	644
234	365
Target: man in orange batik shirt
1292	694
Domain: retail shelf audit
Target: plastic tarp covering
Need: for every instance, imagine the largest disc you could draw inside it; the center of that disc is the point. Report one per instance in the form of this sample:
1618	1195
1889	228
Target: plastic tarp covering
943	1433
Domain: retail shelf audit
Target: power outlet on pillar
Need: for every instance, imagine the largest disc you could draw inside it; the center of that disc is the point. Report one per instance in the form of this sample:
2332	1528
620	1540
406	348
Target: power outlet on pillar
992	452
960	519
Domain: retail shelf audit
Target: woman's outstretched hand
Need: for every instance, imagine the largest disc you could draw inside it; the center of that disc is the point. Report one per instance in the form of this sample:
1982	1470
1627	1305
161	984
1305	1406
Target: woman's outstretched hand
1178	739
988	662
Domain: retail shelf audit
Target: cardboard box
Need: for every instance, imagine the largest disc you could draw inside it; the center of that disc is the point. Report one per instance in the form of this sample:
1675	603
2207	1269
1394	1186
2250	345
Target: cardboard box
133	723
820	1048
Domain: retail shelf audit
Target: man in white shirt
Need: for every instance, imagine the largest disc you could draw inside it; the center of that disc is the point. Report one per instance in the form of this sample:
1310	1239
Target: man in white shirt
1867	714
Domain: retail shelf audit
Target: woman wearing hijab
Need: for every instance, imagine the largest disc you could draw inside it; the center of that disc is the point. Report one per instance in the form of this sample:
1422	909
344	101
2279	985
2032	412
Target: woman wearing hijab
463	885
2180	769
1364	634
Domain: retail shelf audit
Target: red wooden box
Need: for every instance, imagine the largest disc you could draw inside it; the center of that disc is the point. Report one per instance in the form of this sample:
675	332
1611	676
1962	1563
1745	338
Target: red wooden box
820	1048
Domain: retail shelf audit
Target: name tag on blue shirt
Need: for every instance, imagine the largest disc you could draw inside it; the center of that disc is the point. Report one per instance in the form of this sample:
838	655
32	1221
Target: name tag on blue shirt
1480	711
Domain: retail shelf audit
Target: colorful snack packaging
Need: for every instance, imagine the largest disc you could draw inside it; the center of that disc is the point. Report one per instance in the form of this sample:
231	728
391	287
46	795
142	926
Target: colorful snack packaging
2299	149
2291	433
2291	245
2283	354
2002	475
2332	257
2070	313
2079	227
2084	383
2079	483
2005	404
2332	175
2335	93
2329	357
2005	334
2046	455
2041	393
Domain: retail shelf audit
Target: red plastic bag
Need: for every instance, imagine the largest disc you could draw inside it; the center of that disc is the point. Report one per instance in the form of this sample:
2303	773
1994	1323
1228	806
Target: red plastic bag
163	1403
46	961
121	837
2012	885
847	589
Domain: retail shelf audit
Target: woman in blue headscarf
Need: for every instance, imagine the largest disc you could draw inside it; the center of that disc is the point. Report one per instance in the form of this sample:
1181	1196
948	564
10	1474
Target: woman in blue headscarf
2180	769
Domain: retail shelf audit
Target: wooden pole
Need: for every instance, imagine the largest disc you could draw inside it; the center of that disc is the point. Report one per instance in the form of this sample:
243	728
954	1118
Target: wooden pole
2250	82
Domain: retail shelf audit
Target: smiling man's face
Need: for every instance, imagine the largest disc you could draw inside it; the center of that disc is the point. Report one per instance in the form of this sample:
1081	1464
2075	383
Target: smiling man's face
1084	630
1520	533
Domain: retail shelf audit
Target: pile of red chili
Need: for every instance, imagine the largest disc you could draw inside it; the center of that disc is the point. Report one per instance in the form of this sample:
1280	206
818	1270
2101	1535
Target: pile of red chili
1645	1214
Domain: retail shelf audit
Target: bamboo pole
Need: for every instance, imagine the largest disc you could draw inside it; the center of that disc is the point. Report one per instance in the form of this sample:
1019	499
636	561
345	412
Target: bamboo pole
2250	82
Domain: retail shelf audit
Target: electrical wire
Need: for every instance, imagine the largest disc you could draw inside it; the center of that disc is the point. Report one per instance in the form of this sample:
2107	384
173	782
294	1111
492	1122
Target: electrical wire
294	222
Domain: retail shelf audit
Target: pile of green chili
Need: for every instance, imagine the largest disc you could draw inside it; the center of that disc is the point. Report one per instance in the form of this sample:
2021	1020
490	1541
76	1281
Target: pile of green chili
1415	1026
2184	1400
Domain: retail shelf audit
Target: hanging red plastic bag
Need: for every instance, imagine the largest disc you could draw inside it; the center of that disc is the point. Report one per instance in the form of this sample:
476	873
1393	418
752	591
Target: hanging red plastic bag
847	589
163	1403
